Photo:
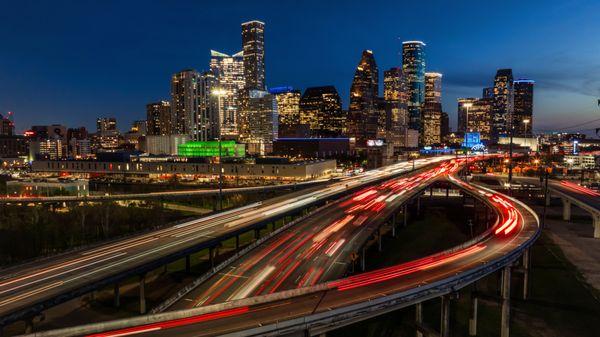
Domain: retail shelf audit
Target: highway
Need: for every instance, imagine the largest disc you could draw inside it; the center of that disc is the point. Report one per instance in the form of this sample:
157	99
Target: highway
270	312
29	288
315	250
156	195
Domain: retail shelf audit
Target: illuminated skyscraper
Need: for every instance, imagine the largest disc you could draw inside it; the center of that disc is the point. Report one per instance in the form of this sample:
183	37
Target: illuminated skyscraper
158	116
503	103
488	92
321	110
363	113
475	115
209	119
395	99
257	119
229	74
104	124
523	107
432	123
288	105
413	68
184	103
433	88
253	44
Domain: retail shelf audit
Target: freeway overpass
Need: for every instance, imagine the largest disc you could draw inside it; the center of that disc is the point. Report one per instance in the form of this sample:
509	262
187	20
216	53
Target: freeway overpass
312	308
28	289
569	192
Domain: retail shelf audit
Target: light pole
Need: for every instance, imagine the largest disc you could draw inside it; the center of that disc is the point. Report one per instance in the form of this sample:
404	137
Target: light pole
220	93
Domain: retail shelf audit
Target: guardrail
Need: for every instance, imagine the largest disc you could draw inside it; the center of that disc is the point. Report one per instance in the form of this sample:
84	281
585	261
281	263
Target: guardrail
185	290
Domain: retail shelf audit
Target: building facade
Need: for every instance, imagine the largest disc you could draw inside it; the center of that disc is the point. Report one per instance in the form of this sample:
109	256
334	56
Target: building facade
229	73
321	110
413	68
523	108
158	117
475	115
503	103
288	105
432	124
433	88
363	113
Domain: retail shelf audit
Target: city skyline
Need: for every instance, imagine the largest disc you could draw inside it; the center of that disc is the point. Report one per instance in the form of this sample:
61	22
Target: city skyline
122	88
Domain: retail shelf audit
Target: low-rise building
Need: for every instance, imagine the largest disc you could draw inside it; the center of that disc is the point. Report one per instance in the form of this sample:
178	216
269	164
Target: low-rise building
281	170
34	188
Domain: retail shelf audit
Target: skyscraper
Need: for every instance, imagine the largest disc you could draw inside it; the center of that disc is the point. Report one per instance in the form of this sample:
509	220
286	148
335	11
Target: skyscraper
288	105
475	115
503	103
444	125
488	92
210	116
413	68
229	73
363	115
158	116
523	107
257	120
433	88
431	119
106	124
253	44
321	110
395	99
184	103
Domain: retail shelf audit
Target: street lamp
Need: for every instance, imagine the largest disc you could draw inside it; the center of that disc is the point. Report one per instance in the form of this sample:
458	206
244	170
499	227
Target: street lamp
220	93
467	105
526	121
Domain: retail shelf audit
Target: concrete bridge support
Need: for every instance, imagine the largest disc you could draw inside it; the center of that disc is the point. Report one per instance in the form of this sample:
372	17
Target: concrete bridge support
526	268
566	209
363	260
419	318
117	296
143	294
405	211
237	242
596	218
379	244
505	293
445	316
188	264
473	315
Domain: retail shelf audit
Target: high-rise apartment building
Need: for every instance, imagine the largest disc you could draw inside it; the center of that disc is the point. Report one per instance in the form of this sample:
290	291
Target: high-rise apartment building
7	127
210	115
445	125
262	112
433	88
503	103
184	103
488	92
104	124
475	115
229	73
158	117
363	113
523	107
321	110
413	68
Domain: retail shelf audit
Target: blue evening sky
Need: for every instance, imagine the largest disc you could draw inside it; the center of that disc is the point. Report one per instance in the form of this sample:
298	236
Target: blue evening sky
72	61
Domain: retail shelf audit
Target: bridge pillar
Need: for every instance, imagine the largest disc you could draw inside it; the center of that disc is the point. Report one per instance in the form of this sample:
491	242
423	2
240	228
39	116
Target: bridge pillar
29	325
596	225
505	292
237	242
363	260
211	257
447	191
257	233
188	264
473	316
419	318
418	205
548	198
566	209
117	298
143	294
394	225
405	212
445	317
526	269
379	246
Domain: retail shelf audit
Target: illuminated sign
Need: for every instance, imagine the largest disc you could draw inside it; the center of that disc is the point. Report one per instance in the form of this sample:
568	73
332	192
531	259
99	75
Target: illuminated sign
374	142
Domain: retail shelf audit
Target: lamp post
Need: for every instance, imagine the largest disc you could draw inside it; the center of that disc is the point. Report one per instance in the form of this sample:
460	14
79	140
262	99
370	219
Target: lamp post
220	93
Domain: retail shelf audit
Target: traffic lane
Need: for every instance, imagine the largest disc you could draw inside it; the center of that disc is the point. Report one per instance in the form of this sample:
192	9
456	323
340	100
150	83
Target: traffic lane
297	272
261	257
